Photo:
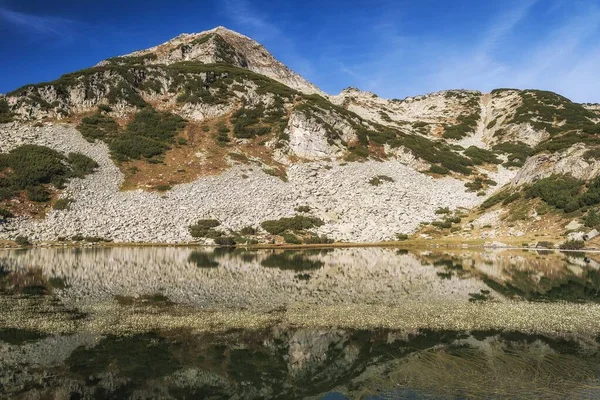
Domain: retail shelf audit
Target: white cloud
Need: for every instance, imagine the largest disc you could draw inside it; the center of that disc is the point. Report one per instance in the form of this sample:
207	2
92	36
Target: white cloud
35	24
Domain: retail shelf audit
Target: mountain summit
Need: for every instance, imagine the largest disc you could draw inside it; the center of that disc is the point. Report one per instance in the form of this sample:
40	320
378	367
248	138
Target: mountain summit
222	45
209	138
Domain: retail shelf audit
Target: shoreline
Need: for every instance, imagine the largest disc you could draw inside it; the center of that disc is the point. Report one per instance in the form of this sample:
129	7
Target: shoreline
411	243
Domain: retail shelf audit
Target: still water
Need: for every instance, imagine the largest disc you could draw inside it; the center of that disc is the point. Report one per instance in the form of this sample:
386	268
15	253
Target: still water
359	323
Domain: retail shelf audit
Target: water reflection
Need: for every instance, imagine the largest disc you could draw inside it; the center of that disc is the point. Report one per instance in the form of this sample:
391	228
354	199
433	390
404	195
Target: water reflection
300	363
234	324
274	278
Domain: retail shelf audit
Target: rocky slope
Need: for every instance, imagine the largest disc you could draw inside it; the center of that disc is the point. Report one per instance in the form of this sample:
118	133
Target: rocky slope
209	126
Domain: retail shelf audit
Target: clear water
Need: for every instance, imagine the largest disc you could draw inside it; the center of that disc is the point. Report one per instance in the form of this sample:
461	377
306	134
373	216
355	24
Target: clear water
360	323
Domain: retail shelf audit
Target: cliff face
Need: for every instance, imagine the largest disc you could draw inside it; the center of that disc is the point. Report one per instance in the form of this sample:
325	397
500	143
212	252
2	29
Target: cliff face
211	126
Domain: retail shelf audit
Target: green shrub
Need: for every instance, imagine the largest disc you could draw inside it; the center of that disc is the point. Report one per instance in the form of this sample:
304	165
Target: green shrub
31	167
81	165
225	241
315	239
105	108
481	156
517	153
34	165
443	210
62	204
297	223
77	237
248	230
38	194
465	124
6	214
592	219
148	135
5	114
436	169
203	228
22	241
302	209
246	122
479	183
163	188
442	224
380	179
401	236
572	245
95	239
291	238
545	244
510	198
505	197
560	191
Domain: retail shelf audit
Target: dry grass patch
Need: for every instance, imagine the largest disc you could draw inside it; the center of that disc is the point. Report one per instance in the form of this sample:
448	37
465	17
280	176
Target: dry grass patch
200	156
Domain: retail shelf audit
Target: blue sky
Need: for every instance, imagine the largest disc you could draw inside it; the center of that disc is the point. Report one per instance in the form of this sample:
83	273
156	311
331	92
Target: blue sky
393	48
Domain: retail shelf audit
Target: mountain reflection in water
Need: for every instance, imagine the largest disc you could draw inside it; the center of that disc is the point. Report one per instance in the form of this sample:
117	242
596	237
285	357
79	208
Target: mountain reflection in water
194	323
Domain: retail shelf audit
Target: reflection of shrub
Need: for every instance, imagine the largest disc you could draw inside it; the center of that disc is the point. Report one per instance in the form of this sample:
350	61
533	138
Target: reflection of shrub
293	260
202	260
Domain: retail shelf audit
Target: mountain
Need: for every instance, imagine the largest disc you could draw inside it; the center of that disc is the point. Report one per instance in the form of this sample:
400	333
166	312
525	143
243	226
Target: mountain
208	137
221	45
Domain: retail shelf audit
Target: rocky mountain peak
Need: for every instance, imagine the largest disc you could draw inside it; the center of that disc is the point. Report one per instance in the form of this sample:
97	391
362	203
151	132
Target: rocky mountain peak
223	46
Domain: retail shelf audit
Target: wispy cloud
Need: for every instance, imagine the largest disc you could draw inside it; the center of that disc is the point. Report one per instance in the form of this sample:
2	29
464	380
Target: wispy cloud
258	25
505	25
525	46
37	24
242	13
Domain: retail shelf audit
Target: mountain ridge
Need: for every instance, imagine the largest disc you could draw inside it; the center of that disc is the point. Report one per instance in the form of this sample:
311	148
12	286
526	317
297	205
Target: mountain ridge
199	107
